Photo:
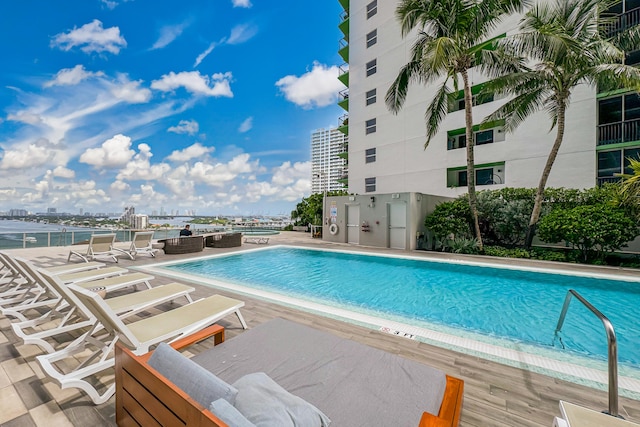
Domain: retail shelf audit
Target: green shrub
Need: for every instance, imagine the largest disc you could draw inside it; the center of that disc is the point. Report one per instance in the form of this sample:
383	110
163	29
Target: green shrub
591	229
499	251
450	218
463	245
504	215
546	254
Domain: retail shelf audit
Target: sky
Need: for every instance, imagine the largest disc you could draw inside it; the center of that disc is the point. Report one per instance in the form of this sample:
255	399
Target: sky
204	105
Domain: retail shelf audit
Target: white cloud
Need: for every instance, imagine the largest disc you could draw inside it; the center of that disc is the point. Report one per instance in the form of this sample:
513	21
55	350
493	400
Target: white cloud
204	54
194	151
168	34
140	167
63	172
119	186
91	37
318	87
241	33
114	152
220	174
189	127
130	91
196	83
242	3
286	173
33	155
8	194
110	4
246	125
72	76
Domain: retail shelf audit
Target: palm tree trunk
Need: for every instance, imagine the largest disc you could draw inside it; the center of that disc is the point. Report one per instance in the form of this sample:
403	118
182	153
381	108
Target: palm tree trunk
471	176
537	205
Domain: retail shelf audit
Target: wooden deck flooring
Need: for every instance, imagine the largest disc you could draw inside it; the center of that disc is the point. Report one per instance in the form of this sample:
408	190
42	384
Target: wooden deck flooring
495	394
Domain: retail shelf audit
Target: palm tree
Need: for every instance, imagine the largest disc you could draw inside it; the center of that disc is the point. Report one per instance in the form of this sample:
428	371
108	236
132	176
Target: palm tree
566	41
630	194
453	37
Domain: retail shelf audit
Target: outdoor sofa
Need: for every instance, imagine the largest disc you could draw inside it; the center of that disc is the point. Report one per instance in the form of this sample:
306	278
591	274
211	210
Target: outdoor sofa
183	245
223	240
350	383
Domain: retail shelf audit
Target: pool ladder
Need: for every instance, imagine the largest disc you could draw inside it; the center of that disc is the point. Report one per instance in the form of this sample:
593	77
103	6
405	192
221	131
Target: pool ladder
612	346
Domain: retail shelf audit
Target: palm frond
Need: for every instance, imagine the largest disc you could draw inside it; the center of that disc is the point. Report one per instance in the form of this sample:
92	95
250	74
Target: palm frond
515	111
397	92
437	111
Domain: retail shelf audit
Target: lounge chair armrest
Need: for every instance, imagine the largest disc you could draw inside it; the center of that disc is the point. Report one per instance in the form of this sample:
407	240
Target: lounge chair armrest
449	414
215	331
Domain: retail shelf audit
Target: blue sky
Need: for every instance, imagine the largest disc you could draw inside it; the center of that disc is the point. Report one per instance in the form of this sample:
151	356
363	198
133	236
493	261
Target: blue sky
201	104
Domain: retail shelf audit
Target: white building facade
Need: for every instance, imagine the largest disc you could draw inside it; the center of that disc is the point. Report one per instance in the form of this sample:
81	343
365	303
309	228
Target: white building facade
328	163
387	153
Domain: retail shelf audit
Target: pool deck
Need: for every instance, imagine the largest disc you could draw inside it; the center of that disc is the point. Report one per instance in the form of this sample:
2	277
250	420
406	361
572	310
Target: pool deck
495	394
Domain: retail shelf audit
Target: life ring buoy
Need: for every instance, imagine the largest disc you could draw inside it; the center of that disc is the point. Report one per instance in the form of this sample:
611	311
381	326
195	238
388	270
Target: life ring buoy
333	229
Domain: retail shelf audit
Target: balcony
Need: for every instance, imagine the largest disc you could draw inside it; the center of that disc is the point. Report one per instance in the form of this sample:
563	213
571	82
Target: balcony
344	4
609	180
344	124
622	22
616	133
343	49
344	24
344	75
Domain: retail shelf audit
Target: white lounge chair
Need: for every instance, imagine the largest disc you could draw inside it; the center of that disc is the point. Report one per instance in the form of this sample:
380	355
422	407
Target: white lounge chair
138	336
71	315
142	243
100	245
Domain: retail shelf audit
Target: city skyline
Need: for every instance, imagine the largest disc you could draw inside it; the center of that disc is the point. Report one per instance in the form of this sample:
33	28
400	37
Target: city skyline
206	106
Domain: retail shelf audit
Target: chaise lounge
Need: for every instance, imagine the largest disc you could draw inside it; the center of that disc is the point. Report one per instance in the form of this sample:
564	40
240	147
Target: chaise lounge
351	383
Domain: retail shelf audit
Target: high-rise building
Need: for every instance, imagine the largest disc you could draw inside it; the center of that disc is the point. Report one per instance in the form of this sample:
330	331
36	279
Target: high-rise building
328	164
129	212
139	221
387	153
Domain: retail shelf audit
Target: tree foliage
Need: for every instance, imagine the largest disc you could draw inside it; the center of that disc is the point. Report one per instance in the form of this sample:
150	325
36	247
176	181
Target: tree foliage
309	210
567	43
453	36
592	229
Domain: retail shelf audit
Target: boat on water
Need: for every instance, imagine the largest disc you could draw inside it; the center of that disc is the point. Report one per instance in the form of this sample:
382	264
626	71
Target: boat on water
30	239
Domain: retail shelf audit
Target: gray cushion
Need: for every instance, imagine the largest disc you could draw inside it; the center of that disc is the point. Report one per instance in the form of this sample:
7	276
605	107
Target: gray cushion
203	386
266	404
230	415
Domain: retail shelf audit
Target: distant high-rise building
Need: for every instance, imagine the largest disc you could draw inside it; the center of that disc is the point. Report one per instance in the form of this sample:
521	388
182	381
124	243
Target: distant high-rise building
139	221
18	212
51	211
129	212
327	167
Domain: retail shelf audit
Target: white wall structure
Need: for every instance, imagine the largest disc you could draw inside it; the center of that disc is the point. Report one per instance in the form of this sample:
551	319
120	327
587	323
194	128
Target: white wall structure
387	152
327	167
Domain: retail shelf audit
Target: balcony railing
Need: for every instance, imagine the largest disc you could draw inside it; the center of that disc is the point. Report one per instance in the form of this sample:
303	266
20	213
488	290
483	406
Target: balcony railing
609	179
615	133
622	22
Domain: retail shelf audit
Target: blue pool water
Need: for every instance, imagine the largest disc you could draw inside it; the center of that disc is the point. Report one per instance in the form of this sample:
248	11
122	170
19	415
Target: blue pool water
520	306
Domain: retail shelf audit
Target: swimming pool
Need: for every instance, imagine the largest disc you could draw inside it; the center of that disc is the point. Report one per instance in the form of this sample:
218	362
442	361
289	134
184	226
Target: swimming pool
487	304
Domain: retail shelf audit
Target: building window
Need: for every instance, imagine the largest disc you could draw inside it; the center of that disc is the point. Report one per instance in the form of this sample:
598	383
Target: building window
372	38
619	119
370	155
372	8
458	138
370	97
612	163
476	100
372	67
369	185
488	174
484	137
370	126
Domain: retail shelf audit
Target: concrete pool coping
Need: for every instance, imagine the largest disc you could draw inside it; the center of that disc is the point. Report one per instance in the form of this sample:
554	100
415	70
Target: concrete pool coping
564	369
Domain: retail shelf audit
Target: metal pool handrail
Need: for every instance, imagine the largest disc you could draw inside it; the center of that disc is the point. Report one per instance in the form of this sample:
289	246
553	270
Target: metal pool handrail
611	341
